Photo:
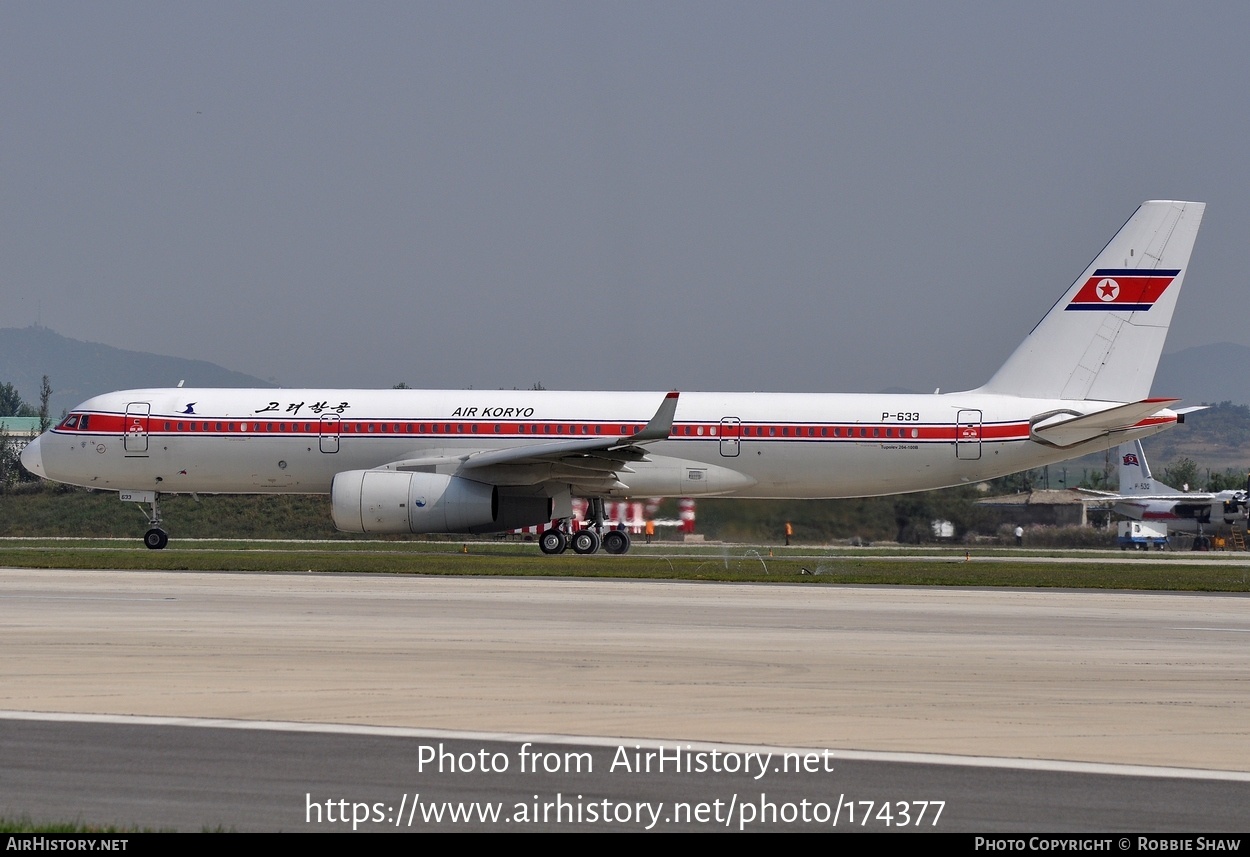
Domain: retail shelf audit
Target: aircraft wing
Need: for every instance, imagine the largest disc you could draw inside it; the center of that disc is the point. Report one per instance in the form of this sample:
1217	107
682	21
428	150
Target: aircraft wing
1182	498
659	428
592	464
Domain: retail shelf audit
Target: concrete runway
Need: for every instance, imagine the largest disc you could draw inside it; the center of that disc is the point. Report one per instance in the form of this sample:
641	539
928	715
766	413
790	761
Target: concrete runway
154	773
1154	679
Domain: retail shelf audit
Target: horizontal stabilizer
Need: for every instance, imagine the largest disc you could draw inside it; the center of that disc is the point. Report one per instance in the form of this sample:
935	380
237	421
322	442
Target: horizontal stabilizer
1181	413
1066	429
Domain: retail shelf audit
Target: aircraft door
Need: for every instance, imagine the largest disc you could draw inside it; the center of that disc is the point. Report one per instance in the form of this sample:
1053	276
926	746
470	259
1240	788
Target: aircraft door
331	426
730	434
968	435
136	437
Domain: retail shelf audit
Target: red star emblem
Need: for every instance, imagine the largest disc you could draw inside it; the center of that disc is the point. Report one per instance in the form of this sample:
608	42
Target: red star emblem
1108	290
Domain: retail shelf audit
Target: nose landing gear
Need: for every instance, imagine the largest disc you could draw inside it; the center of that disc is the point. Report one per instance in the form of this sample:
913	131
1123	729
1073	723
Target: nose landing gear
155	538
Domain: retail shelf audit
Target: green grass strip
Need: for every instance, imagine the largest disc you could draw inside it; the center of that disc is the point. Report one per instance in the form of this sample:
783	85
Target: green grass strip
1078	572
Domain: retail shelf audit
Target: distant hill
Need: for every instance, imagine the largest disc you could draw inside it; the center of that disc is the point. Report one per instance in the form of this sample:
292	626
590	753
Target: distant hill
79	370
1205	373
1217	439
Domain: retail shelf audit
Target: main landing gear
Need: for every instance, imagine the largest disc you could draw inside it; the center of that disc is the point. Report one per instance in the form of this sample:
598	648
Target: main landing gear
556	541
585	541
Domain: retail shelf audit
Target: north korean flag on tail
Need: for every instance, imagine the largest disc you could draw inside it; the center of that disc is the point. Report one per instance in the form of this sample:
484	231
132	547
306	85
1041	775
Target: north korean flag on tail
1130	459
1122	289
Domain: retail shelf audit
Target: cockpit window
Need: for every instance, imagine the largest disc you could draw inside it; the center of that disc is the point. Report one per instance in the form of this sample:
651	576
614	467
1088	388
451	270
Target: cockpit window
70	422
82	423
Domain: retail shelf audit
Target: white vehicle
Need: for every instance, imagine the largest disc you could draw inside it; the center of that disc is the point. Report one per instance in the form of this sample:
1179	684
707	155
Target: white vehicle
1140	536
420	461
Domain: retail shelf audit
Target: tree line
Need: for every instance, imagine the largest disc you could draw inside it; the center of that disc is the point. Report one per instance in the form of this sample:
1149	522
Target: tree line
12	405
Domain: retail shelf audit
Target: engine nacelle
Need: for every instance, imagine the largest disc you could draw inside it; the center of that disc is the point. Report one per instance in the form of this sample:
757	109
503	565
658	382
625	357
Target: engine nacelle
389	501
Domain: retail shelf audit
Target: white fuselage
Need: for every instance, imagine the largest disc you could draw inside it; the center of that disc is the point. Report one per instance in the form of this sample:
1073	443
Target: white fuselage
1186	516
763	445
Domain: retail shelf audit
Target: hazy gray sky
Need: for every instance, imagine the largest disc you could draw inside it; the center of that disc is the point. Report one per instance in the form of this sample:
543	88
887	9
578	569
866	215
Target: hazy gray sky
700	195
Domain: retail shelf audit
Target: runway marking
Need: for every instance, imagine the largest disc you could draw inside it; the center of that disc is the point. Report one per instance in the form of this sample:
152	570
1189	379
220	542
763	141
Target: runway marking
1228	630
81	598
1054	765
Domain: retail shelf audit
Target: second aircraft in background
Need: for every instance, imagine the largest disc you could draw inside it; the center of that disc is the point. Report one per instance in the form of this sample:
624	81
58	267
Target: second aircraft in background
1142	497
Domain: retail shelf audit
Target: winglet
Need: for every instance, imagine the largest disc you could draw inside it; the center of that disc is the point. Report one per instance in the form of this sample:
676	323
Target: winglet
661	425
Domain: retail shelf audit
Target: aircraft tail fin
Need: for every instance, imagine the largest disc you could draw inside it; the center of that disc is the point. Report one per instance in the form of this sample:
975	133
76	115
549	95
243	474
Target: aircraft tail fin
1135	478
1102	339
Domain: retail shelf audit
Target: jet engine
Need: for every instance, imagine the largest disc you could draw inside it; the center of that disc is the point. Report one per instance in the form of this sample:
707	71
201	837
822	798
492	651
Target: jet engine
388	501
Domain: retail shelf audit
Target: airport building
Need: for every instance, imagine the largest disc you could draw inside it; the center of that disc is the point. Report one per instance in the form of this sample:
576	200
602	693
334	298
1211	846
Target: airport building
19	431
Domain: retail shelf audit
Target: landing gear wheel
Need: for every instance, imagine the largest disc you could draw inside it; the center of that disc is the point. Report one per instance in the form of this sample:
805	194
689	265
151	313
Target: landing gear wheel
616	541
155	539
552	542
586	541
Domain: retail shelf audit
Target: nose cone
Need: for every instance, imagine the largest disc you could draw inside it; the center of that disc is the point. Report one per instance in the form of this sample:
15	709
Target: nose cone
32	458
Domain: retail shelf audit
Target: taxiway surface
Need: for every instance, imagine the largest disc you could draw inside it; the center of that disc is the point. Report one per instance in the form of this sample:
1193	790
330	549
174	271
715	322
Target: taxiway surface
1158	679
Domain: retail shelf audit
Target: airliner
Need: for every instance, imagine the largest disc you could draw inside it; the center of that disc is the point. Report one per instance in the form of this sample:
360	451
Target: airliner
473	461
1144	498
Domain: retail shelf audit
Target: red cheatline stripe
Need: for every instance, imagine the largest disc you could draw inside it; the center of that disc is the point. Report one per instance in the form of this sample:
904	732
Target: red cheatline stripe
116	424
